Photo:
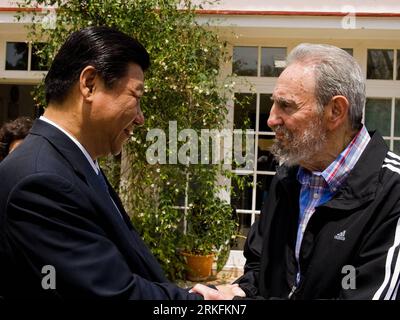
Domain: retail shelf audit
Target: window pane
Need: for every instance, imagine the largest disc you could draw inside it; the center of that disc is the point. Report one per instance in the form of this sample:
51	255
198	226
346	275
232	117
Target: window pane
245	111
380	64
377	115
245	61
17	56
37	62
263	184
273	61
16	101
396	147
265	160
398	65
349	51
243	150
397	119
244	227
265	108
241	199
387	142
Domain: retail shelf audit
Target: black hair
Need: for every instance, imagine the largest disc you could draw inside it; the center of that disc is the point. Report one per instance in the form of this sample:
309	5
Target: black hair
108	50
11	131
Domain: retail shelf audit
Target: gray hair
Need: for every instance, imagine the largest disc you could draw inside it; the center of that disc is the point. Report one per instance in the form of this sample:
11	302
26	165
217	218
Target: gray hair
336	73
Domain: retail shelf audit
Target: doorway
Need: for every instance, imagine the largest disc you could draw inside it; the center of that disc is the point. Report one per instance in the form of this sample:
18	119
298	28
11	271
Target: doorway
16	101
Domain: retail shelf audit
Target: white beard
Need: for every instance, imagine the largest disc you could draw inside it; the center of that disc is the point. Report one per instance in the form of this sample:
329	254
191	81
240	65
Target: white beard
299	148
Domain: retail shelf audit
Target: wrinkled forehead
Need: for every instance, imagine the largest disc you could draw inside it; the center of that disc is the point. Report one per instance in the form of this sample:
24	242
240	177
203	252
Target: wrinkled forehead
299	73
296	80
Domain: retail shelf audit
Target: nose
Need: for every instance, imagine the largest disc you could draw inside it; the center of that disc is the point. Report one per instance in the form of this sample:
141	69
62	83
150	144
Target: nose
139	120
274	118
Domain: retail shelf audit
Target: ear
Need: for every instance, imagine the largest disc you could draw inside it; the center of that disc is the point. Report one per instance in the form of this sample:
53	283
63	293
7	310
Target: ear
87	83
337	112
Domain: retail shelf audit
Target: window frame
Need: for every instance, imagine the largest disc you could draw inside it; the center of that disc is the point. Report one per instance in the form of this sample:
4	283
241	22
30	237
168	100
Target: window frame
17	76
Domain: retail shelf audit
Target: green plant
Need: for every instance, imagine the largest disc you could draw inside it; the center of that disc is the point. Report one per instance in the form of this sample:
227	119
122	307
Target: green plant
210	226
211	223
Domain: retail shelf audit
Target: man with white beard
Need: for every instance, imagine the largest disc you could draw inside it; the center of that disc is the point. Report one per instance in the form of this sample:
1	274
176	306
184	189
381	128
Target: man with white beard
330	227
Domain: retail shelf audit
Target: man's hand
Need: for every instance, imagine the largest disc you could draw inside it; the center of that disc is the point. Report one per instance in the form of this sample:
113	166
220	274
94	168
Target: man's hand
224	292
230	291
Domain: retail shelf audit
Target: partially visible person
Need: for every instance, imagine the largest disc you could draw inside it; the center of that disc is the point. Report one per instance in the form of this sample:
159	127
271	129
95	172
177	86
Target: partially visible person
12	133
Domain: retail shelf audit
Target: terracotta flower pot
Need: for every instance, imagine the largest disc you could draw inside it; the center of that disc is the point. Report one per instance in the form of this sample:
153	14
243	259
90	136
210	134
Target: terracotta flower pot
198	266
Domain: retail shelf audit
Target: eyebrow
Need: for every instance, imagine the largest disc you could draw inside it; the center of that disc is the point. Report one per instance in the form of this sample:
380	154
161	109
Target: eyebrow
281	100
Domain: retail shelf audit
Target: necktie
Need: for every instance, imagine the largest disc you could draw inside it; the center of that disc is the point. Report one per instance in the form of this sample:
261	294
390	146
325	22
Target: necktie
103	184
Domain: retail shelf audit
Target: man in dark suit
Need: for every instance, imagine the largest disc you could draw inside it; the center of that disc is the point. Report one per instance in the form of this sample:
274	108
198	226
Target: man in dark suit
63	230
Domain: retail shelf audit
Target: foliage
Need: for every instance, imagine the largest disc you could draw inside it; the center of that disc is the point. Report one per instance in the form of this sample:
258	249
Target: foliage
211	223
111	166
184	84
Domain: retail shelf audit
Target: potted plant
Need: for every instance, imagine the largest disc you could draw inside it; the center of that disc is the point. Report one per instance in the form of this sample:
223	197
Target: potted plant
211	224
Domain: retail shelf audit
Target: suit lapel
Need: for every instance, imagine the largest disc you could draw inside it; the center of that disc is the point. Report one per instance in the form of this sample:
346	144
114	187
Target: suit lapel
123	226
118	202
136	240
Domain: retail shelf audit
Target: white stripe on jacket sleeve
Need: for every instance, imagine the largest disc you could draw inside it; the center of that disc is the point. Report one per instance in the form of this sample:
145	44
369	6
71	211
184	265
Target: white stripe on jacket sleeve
388	266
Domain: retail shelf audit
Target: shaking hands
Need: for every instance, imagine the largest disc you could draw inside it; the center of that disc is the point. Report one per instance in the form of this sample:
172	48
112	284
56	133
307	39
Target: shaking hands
224	292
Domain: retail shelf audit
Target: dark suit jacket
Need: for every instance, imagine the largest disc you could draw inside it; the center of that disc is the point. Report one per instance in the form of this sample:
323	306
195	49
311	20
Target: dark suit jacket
54	212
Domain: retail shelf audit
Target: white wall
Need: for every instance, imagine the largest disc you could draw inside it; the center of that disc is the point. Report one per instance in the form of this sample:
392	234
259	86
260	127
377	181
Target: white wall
372	6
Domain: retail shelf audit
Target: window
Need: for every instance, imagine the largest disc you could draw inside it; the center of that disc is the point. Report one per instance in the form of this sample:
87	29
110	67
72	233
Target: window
377	115
17	56
398	65
396	135
246	61
273	61
242	199
380	64
349	51
248	202
23	56
245	111
383	114
16	101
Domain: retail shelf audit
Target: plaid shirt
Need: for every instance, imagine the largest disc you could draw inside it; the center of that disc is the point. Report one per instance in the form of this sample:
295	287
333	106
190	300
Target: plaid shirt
319	187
